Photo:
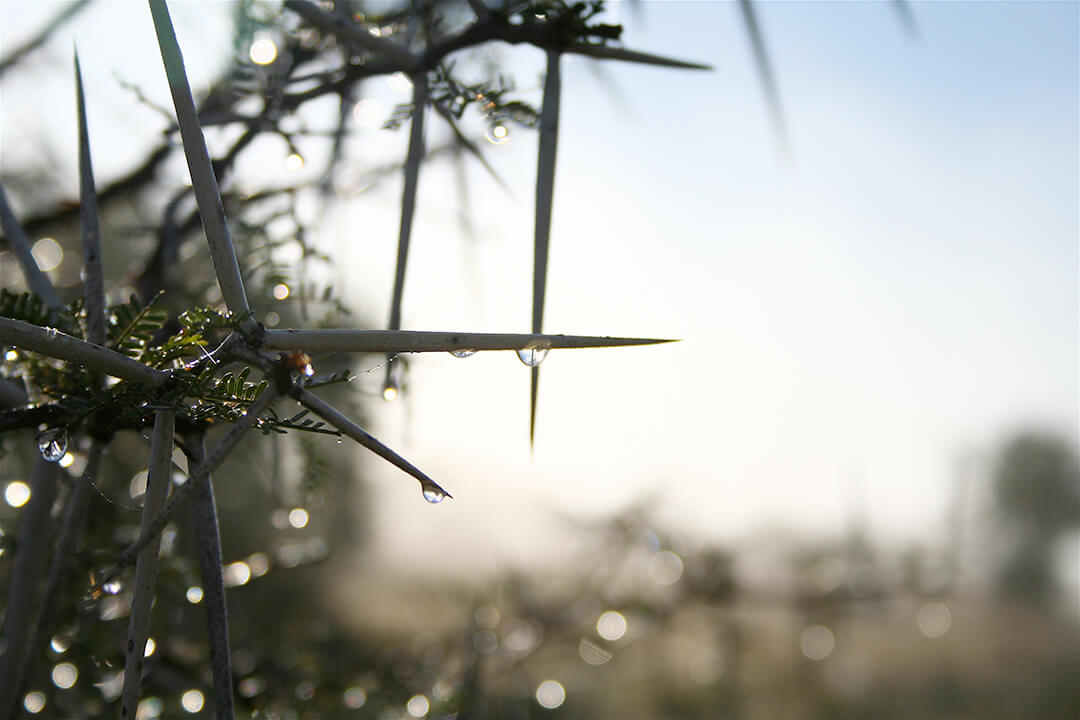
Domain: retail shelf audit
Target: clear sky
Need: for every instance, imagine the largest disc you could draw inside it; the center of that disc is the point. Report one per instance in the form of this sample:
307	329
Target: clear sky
858	321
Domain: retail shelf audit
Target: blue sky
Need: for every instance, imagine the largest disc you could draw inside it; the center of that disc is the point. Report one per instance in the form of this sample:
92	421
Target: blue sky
857	321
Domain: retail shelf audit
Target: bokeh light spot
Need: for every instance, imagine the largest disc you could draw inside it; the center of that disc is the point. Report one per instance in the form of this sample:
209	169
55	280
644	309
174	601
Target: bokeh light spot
298	517
192	701
251	686
237	573
34	702
368	113
934	619
498	134
550	694
304	690
294	163
611	625
817	642
418	706
149	708
592	653
65	675
354	697
259	564
485	642
194	594
281	291
47	253
263	50
17	494
665	568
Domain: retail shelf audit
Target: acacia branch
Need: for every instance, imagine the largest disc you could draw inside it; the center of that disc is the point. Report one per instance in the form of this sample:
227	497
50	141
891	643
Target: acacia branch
157	487
545	198
74	527
94	280
198	473
207	195
418	341
331	415
208	536
414	158
24	592
37	281
52	342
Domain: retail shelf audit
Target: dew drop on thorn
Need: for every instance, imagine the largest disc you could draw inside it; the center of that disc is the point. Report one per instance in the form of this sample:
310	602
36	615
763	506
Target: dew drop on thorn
532	356
52	443
434	495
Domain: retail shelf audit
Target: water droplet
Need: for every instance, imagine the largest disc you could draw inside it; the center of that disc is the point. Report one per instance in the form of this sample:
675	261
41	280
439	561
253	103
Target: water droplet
394	376
497	134
434	495
389	391
532	356
52	443
462	353
338	439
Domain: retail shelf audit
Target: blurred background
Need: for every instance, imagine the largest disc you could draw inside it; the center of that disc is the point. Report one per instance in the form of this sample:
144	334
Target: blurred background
850	490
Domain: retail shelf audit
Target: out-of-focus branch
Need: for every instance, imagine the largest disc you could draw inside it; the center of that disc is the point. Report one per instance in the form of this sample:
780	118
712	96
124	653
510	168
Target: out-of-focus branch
24	591
43	36
208	537
37	281
76	514
157	487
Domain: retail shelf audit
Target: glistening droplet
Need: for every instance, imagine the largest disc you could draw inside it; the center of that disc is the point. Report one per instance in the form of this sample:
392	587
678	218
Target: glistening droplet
434	495
52	443
497	134
532	356
462	353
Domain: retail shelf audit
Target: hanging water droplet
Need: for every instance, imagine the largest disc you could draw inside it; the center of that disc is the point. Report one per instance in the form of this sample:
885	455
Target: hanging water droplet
532	356
52	443
390	391
394	376
462	353
433	495
338	439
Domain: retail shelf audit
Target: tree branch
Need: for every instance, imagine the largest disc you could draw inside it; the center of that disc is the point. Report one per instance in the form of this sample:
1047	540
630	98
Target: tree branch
416	341
52	342
158	481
